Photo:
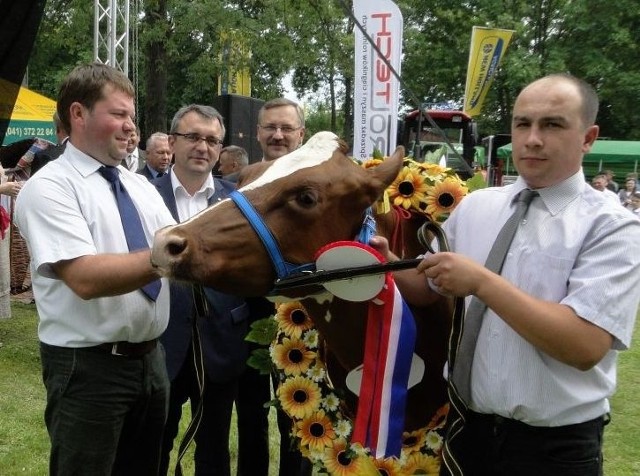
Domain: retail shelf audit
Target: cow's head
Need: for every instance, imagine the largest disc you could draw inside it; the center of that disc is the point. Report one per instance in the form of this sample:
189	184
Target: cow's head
309	198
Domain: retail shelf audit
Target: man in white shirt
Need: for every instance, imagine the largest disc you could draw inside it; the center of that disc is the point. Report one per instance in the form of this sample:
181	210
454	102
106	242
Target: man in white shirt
132	160
103	368
558	312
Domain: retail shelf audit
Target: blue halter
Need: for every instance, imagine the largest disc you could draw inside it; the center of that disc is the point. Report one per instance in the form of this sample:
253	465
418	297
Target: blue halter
284	268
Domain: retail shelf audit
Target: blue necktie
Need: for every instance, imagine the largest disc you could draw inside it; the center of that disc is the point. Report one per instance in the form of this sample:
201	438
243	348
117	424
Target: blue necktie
131	223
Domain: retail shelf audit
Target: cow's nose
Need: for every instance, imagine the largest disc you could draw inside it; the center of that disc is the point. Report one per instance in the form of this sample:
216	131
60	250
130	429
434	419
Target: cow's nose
167	250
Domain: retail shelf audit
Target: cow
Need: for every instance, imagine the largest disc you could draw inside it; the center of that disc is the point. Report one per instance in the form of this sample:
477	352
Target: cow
308	199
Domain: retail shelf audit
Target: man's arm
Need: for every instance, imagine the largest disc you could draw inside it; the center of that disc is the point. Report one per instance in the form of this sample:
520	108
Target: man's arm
103	275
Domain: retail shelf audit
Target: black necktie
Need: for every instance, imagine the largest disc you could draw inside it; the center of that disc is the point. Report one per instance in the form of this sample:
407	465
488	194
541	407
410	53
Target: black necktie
475	312
131	223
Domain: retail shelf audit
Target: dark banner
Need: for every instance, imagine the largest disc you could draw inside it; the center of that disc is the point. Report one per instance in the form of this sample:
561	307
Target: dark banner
19	22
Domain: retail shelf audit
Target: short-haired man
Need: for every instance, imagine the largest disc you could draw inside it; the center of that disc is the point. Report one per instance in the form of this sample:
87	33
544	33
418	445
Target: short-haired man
195	138
102	366
280	128
232	160
280	131
538	382
158	157
132	160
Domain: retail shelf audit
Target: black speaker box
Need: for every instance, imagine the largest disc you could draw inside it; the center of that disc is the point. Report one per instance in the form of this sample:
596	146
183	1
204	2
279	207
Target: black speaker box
241	121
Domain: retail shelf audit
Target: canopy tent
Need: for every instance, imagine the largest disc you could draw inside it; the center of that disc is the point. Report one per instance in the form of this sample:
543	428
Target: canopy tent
621	157
32	115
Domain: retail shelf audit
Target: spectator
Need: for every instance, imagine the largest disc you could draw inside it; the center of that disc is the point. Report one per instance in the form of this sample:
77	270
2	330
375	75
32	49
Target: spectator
611	184
158	156
8	190
280	131
629	189
196	137
53	152
104	372
232	160
132	160
558	312
599	182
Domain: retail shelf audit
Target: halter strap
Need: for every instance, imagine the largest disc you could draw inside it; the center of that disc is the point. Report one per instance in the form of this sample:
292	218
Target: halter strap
282	267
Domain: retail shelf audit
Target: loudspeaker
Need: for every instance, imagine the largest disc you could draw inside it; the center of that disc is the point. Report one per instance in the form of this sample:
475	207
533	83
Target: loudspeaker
241	121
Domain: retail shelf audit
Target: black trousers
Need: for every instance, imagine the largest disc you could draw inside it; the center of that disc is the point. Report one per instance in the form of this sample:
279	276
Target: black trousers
496	446
105	413
211	454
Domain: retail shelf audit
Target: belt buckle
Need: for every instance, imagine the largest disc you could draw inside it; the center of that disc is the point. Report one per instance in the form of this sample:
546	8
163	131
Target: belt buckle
114	350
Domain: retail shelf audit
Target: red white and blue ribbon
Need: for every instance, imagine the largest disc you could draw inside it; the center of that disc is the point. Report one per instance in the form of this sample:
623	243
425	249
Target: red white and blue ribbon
389	346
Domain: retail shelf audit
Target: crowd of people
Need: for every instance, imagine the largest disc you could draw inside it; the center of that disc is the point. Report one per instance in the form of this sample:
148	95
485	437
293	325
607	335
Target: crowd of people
628	197
123	349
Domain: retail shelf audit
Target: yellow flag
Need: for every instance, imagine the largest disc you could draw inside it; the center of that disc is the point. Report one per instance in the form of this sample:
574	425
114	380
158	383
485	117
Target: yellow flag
487	49
235	56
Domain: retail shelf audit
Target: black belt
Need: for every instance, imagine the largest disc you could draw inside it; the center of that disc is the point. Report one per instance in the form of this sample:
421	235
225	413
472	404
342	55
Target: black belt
497	424
127	349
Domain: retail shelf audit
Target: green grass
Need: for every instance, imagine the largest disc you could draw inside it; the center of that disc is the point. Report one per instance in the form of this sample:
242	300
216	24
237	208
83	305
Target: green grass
24	444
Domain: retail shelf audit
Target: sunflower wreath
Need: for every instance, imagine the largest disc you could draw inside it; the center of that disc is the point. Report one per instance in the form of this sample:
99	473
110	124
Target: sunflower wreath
305	392
321	429
424	188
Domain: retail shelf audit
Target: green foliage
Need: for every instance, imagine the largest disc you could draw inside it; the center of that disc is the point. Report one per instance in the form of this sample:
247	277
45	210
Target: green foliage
476	182
260	359
599	41
263	331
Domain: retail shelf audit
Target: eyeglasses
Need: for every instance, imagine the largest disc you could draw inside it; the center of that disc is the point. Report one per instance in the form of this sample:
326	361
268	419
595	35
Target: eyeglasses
194	138
271	129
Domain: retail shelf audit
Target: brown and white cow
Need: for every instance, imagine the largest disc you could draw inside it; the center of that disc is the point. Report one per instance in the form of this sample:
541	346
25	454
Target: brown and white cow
312	197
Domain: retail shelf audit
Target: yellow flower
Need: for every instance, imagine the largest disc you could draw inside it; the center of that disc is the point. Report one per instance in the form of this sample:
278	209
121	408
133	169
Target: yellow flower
389	467
315	431
293	319
299	397
419	463
292	356
371	163
414	440
408	189
444	197
440	418
340	461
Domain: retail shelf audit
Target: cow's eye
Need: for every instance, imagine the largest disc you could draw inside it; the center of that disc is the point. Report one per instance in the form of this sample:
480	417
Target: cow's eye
307	198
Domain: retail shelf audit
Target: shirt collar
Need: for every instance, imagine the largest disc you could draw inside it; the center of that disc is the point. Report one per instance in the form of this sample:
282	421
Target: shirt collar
208	188
558	196
83	163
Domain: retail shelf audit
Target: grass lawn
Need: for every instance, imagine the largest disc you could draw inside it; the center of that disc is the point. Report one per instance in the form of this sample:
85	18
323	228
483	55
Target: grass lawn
24	443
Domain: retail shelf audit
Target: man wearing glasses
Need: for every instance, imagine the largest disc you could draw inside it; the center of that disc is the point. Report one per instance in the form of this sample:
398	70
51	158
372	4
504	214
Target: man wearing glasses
280	128
280	131
195	139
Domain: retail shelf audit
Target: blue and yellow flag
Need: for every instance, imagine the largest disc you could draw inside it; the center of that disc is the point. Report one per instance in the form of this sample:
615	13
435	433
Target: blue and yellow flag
487	49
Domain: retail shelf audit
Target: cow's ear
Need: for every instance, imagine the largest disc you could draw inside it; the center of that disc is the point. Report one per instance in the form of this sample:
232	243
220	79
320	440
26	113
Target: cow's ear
389	169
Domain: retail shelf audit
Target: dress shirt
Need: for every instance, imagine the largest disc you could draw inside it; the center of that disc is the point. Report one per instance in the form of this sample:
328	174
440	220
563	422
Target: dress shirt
68	210
189	205
574	247
132	160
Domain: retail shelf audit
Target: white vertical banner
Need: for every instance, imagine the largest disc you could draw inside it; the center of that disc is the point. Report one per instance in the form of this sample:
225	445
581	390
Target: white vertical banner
376	89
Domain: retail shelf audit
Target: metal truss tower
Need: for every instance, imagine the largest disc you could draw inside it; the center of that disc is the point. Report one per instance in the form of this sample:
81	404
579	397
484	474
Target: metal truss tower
111	33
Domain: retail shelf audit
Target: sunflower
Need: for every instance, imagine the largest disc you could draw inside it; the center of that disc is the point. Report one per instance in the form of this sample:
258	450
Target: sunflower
316	431
419	463
413	441
339	460
389	467
440	418
293	319
299	396
444	197
292	356
408	189
371	163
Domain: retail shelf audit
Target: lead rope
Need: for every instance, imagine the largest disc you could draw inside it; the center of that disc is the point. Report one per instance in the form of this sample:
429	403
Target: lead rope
201	308
457	408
